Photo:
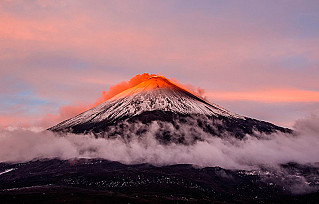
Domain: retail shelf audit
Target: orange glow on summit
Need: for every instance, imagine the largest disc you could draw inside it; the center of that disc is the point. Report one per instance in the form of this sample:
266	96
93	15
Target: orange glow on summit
118	88
139	83
154	82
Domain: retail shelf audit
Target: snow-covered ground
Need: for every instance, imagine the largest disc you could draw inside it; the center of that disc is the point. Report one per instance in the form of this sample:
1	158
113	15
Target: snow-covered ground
7	171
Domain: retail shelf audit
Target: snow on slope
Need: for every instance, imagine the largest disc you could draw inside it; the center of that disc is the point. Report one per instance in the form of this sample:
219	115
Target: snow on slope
157	93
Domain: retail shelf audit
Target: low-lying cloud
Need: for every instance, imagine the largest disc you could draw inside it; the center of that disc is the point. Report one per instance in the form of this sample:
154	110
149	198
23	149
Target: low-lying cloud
19	145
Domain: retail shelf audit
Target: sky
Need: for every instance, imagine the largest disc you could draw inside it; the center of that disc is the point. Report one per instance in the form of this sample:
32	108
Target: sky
256	58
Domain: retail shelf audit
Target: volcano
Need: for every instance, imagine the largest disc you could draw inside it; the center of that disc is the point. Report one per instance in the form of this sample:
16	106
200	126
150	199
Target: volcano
149	121
172	109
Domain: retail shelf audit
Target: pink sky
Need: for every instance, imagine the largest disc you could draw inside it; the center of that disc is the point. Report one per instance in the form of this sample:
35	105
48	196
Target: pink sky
256	58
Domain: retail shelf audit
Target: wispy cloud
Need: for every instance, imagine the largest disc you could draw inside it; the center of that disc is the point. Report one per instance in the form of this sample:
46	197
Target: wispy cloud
268	96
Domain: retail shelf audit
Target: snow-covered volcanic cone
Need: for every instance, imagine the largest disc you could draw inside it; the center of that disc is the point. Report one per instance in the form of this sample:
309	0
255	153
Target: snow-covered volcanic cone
166	109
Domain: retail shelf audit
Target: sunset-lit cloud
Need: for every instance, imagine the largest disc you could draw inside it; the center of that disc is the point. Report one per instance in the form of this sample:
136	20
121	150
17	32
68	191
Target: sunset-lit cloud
65	53
268	96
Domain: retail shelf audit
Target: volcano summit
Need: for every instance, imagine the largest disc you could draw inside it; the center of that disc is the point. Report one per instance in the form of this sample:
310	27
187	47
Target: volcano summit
171	107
